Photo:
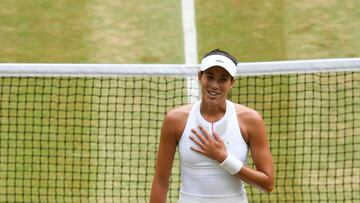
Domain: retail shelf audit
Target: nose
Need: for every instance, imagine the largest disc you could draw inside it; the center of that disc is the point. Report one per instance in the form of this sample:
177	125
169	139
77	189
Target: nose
214	85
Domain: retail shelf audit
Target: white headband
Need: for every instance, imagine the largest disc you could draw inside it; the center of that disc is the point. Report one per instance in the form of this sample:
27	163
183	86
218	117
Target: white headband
219	60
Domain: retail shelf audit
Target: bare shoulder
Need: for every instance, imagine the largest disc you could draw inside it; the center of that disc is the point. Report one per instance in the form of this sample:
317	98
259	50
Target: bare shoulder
179	113
175	120
246	113
250	121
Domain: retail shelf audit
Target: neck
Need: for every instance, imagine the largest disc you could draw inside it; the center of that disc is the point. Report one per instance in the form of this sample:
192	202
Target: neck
212	112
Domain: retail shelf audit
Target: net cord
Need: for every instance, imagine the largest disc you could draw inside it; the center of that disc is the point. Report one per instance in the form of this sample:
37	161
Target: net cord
109	70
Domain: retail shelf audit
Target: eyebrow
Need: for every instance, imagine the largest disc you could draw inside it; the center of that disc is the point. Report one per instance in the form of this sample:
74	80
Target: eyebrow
222	75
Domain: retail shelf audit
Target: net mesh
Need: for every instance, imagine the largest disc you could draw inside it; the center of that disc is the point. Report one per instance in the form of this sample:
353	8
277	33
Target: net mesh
313	122
94	139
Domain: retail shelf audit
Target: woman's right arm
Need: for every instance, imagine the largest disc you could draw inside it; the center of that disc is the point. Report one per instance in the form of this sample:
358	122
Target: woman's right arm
165	158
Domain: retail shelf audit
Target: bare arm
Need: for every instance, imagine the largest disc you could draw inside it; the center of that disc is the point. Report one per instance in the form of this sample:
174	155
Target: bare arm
263	176
165	156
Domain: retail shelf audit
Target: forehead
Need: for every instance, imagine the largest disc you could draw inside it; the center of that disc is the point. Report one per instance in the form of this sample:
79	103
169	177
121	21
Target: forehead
217	70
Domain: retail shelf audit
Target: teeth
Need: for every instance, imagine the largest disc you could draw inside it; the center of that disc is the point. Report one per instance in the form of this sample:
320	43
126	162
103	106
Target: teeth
213	93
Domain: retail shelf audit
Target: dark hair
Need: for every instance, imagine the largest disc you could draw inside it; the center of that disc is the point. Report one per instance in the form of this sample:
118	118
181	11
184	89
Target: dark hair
223	53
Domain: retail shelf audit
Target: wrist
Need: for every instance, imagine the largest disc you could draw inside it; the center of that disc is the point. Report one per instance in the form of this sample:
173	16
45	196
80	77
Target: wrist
222	158
231	164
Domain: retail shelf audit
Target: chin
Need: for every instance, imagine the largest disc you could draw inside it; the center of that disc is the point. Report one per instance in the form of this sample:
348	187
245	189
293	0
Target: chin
213	101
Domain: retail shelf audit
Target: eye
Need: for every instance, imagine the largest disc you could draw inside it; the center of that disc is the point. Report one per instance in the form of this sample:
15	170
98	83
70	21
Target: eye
223	79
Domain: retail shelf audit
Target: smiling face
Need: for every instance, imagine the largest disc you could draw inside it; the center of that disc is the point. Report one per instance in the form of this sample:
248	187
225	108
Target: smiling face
215	83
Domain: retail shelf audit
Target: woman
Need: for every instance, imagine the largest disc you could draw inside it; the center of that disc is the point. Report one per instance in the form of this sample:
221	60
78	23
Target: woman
213	136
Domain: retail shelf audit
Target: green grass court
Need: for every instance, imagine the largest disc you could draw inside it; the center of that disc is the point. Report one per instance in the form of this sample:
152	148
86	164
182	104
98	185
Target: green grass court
95	139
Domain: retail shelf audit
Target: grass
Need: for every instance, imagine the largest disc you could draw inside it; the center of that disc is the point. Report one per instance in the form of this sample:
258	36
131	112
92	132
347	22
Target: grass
250	30
61	143
136	32
322	31
278	29
44	31
91	31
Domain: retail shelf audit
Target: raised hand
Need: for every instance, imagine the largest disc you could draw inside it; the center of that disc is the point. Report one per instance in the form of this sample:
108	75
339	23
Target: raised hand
208	145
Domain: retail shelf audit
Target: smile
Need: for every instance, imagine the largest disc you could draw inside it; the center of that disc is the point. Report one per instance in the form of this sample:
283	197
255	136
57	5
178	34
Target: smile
212	93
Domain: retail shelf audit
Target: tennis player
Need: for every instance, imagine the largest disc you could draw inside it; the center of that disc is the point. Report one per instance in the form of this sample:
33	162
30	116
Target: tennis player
213	136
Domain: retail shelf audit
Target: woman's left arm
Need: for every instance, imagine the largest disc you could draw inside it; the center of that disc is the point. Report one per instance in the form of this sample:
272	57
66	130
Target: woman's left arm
263	175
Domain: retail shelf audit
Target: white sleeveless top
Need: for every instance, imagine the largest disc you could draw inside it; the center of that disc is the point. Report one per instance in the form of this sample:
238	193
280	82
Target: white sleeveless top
202	178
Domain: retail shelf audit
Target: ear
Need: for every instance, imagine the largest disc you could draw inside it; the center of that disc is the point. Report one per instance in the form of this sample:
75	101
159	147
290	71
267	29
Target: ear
232	82
200	73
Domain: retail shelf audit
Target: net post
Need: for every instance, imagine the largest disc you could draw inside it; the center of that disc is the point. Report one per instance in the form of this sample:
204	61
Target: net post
192	89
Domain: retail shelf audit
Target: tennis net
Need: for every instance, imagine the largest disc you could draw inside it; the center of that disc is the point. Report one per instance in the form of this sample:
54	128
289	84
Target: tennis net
89	132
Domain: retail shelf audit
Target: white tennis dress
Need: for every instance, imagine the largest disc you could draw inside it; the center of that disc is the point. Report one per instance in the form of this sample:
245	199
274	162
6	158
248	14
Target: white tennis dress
203	180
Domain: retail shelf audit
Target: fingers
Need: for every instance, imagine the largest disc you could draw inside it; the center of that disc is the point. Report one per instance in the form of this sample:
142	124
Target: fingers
202	138
202	146
217	137
204	131
199	150
199	143
205	136
211	146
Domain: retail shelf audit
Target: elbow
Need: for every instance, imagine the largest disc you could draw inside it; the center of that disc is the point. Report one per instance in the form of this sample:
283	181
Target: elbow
266	186
270	183
269	186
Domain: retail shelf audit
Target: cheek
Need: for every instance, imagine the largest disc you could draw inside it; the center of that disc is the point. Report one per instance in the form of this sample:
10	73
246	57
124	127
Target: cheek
227	88
202	84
